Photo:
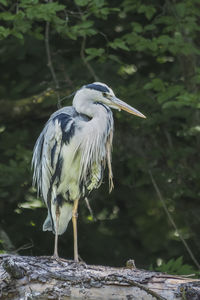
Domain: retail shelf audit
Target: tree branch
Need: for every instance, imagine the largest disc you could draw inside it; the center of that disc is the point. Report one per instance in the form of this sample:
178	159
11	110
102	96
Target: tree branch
49	60
43	278
82	53
160	197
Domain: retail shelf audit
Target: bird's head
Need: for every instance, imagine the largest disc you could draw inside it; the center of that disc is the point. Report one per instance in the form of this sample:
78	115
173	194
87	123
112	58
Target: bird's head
100	92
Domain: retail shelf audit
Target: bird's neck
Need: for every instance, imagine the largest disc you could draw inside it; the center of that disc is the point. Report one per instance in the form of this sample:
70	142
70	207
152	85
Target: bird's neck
100	114
89	108
101	122
96	135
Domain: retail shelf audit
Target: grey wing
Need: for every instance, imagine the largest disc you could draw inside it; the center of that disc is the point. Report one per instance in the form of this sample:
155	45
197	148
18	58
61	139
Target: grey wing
47	159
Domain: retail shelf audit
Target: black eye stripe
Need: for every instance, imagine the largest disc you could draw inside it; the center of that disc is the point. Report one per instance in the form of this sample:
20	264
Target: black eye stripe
97	87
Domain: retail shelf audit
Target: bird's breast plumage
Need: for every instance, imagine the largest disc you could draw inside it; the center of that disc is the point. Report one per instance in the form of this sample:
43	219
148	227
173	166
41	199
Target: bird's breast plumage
70	154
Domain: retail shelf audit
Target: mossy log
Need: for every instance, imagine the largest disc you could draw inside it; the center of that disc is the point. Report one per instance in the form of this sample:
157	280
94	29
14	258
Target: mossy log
27	277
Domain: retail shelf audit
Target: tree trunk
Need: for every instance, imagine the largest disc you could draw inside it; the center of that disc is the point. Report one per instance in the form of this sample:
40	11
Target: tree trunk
27	277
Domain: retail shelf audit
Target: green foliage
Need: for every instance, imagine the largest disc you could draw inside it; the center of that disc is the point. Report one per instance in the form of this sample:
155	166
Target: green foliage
4	32
176	267
21	21
4	2
148	10
94	52
118	44
82	3
148	52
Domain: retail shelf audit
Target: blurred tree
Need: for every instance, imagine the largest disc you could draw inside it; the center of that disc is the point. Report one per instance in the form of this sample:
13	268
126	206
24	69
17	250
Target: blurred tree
148	52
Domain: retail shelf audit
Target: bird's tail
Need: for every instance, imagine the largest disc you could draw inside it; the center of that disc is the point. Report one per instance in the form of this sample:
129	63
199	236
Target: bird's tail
47	226
65	215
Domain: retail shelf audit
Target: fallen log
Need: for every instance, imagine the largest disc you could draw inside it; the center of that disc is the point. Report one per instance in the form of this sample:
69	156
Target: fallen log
27	277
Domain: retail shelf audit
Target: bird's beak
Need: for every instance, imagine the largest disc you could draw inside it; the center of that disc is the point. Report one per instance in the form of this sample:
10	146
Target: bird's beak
119	104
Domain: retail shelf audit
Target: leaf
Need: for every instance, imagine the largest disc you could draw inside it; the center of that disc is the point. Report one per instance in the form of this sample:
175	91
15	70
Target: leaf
82	2
176	266
21	24
149	27
18	34
4	32
170	92
82	29
148	10
167	20
152	45
93	52
156	84
27	2
176	104
4	2
165	59
86	24
115	58
127	70
6	16
43	11
99	3
118	43
137	27
164	39
181	9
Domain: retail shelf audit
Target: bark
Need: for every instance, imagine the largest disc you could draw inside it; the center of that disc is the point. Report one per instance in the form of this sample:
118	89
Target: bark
24	277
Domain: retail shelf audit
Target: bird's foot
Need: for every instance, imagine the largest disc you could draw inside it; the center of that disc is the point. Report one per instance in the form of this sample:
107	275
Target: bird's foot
79	262
56	257
76	260
60	261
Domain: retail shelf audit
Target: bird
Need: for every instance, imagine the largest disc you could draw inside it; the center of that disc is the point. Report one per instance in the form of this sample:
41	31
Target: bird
71	153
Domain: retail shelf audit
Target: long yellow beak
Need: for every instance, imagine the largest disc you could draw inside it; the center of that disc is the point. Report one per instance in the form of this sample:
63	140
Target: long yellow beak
117	103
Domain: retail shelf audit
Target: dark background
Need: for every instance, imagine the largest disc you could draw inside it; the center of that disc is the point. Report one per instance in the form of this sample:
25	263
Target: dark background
148	52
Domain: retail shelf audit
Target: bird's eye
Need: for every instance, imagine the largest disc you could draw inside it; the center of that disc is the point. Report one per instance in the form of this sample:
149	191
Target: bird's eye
105	95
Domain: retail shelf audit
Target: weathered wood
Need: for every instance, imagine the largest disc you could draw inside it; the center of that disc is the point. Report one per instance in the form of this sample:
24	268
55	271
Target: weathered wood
23	277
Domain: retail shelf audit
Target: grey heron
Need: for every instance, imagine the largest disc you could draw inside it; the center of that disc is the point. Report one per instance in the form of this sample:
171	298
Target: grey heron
71	153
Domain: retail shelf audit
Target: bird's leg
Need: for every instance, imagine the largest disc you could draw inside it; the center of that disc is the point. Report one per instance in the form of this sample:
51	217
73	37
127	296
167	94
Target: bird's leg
55	255
74	221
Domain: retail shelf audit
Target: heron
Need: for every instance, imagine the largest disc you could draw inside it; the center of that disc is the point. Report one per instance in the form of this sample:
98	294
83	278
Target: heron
71	153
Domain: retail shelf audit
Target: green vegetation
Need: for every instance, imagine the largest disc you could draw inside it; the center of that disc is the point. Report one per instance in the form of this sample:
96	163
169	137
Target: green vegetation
176	266
148	52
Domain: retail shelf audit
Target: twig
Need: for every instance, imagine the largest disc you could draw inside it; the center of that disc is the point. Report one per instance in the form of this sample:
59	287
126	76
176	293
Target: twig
25	247
49	60
82	53
90	209
146	289
172	221
66	76
169	139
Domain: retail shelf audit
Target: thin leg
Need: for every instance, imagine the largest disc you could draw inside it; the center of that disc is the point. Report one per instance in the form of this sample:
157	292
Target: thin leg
74	221
55	255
